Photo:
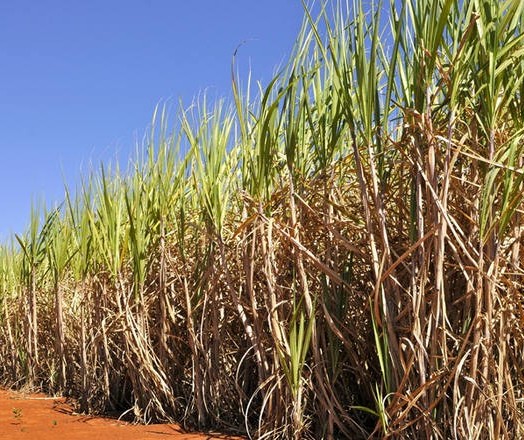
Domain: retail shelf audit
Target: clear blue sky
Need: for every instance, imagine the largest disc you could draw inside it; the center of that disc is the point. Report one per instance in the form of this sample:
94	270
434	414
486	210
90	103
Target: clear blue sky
79	80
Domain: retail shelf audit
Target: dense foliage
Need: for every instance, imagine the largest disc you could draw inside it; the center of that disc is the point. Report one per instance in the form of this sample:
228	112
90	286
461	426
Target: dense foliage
338	257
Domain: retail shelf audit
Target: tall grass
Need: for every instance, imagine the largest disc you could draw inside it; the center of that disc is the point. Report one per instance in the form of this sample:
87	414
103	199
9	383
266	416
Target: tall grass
337	257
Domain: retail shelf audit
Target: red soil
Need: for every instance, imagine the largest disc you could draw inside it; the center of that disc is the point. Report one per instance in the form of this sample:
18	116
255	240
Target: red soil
35	416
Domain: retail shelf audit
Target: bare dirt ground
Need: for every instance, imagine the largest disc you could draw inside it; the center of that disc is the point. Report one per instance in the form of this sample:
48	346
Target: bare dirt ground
35	416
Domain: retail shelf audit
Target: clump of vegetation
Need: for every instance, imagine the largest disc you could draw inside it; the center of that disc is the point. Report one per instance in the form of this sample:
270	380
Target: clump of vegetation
338	257
17	413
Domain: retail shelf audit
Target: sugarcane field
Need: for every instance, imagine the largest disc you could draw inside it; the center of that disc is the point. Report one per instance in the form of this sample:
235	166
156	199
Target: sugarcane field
333	253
